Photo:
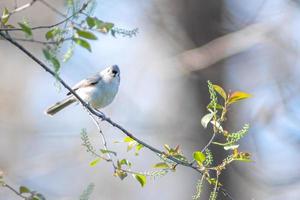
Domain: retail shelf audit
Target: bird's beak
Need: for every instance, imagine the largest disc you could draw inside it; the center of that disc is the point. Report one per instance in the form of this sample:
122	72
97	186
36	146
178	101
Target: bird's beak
115	72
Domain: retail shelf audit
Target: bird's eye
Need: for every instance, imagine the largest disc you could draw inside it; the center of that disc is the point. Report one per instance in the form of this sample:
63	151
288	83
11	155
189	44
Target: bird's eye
114	71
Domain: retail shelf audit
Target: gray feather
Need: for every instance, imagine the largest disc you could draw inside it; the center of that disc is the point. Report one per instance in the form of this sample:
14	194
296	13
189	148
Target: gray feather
59	106
86	82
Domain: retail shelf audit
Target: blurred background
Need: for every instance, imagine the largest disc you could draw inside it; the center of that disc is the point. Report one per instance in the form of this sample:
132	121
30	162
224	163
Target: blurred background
251	46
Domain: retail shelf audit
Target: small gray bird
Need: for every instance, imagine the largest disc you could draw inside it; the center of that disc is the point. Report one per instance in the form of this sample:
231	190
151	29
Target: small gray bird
98	90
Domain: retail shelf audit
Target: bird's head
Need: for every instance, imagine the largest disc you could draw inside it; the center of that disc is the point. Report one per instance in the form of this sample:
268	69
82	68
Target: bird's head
112	72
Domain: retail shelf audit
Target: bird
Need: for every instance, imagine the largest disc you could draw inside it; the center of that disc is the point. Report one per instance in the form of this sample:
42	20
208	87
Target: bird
98	91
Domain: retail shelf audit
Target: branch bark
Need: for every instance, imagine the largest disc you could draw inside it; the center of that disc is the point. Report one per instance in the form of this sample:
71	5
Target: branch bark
101	115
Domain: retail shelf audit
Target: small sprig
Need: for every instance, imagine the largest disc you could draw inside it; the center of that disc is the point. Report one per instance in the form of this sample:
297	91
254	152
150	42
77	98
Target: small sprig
216	117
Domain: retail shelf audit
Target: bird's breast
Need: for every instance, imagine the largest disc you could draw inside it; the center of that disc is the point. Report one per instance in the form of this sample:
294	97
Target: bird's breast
103	94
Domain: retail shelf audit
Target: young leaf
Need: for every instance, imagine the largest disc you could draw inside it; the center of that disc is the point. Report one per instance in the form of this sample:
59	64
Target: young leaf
120	173
139	147
128	139
68	54
90	22
237	96
86	34
50	57
242	156
125	162
206	119
24	189
108	151
167	147
5	16
47	54
51	33
220	91
95	162
55	64
231	147
105	27
199	157
98	22
83	43
140	178
161	165
131	145
25	28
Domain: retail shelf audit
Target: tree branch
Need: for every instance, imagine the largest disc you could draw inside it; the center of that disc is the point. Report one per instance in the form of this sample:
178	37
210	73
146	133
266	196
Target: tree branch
101	115
14	190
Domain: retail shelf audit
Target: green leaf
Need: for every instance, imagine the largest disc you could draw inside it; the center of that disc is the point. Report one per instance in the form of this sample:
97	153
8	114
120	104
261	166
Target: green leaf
83	43
128	139
139	147
86	34
218	106
206	119
23	190
220	91
68	54
120	173
47	54
55	64
199	157
167	147
52	32
213	181
108	151
180	157
25	28
124	162
98	22
140	178
5	16
161	165
50	57
131	145
237	96
95	162
243	157
105	27
231	147
90	22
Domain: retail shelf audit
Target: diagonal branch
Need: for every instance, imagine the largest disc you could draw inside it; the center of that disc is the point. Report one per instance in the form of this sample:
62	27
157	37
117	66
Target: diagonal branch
14	190
100	115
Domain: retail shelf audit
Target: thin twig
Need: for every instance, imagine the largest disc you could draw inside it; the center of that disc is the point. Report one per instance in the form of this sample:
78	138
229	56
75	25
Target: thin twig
209	142
102	137
52	8
38	41
53	25
14	190
18	9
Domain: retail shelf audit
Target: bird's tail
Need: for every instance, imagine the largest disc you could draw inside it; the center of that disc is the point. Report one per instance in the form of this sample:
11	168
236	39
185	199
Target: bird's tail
59	106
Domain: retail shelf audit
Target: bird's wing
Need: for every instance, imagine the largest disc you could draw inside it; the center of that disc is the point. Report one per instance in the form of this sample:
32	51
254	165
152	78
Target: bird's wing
86	82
